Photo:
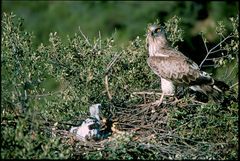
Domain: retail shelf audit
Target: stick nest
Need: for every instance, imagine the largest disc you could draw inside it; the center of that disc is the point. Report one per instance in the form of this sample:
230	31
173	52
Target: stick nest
137	132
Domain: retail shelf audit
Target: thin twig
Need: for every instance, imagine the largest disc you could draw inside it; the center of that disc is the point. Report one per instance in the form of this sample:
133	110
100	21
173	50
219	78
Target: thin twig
229	36
217	51
109	66
107	87
233	85
84	37
231	71
211	50
208	65
150	93
217	57
100	40
145	92
205	44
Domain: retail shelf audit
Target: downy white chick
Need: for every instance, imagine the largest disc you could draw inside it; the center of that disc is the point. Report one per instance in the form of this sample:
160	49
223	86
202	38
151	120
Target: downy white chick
90	127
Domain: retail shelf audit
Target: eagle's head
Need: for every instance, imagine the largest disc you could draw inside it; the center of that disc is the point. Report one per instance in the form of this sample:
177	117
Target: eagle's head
155	31
156	38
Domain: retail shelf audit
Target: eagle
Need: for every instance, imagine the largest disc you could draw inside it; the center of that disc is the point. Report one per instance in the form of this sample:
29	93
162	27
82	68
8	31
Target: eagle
175	69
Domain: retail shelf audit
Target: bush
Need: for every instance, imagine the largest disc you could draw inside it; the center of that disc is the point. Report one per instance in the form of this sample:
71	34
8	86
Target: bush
47	89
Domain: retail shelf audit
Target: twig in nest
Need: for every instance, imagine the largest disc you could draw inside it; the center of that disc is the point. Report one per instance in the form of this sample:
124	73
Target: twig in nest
146	92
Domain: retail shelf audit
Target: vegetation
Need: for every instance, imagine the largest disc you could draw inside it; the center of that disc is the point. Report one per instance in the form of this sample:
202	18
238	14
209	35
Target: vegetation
46	90
127	18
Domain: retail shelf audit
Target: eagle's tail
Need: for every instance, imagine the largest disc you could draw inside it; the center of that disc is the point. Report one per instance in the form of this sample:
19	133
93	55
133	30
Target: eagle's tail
210	87
218	90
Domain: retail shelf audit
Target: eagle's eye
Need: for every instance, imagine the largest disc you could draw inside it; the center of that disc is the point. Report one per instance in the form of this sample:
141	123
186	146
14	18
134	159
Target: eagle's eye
157	30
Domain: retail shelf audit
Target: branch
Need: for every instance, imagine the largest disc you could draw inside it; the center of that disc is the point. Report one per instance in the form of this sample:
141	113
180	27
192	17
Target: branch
150	93
217	57
234	85
208	65
231	70
145	92
211	50
84	37
107	87
229	36
109	66
46	94
217	51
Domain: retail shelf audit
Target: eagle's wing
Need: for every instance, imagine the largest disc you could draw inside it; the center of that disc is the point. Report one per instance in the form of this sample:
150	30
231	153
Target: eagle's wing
175	67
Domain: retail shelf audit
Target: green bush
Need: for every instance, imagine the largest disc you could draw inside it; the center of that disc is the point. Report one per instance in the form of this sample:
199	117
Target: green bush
48	88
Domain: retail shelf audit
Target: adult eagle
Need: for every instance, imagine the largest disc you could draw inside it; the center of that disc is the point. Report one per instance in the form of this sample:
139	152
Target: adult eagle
174	68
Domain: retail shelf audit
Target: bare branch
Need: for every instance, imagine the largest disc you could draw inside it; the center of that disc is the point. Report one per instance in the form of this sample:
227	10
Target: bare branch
217	57
212	50
107	87
233	85
146	92
44	94
109	66
231	71
208	65
84	37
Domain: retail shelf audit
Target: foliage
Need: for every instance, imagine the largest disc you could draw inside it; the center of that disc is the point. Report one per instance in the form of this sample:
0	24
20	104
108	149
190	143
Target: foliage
48	89
176	33
225	53
210	127
228	50
128	17
24	70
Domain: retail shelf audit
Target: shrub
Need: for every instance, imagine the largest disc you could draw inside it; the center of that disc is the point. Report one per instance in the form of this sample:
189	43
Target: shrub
47	89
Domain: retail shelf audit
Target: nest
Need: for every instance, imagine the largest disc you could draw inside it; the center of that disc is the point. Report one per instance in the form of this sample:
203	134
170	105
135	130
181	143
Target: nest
141	129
